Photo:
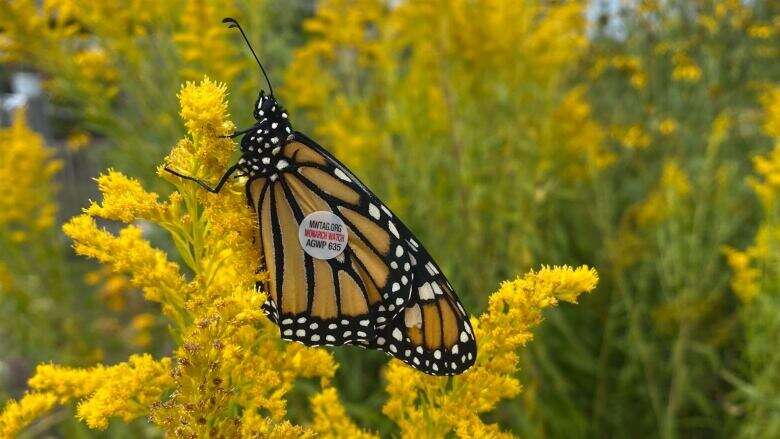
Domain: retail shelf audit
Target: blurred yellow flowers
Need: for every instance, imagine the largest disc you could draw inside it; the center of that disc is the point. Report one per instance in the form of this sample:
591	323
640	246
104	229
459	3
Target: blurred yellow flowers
756	266
27	166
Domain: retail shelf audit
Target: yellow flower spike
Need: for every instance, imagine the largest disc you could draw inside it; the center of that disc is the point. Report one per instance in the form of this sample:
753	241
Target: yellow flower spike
667	126
78	140
254	425
685	69
330	418
128	253
124	199
424	406
229	355
202	37
67	383
204	110
664	200
17	415
27	166
127	391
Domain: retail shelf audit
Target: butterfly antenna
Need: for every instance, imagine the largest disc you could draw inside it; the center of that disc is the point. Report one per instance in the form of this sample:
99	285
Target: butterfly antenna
233	23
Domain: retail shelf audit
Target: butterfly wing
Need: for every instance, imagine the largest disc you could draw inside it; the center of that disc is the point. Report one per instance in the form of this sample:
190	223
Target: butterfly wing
334	301
433	333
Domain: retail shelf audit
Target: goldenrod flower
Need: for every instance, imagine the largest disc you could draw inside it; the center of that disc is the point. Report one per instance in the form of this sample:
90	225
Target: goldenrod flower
761	31
125	390
148	268
78	140
113	288
632	137
27	167
18	415
667	126
685	69
125	200
425	406
665	199
202	38
744	278
330	418
755	267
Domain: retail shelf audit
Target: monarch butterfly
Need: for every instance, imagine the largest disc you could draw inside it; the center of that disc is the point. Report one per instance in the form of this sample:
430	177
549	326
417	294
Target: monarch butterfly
343	268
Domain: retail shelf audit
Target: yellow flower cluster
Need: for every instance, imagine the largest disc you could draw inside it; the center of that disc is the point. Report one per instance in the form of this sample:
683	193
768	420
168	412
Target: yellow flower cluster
632	65
666	198
685	69
129	201
113	288
429	407
149	268
27	167
757	263
331	420
667	126
18	415
202	39
125	390
94	52
229	355
632	136
354	84
580	135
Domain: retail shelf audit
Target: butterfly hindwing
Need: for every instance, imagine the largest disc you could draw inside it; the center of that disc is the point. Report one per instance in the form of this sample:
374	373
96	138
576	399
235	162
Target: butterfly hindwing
433	334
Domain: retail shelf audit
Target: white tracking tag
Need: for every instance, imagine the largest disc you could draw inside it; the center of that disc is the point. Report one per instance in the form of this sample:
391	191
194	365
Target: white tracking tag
323	235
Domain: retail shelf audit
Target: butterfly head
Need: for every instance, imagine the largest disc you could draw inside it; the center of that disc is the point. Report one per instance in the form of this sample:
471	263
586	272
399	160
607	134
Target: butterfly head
272	118
272	130
267	107
270	115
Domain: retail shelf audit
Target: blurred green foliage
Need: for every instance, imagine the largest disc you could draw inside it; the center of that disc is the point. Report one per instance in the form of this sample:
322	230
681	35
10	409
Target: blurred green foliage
507	134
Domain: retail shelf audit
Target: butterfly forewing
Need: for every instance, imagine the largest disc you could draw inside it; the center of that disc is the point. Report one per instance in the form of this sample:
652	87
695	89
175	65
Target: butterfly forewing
433	334
334	301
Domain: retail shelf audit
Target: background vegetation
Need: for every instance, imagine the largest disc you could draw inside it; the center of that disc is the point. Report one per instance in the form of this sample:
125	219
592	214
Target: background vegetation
641	138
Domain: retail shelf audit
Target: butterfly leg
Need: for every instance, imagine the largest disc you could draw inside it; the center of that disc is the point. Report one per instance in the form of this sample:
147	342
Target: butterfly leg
236	134
204	185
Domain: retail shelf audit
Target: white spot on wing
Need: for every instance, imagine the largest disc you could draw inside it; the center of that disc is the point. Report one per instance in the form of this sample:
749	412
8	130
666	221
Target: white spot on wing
413	317
340	174
373	211
392	228
426	292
